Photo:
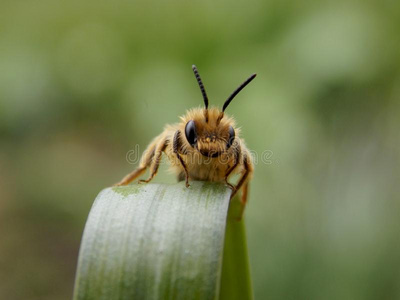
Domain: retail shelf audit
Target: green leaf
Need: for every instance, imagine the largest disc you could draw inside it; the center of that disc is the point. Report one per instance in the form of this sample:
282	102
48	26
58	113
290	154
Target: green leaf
159	241
236	279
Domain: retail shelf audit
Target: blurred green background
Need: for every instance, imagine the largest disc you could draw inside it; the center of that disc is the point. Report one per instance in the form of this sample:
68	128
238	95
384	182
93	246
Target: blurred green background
83	82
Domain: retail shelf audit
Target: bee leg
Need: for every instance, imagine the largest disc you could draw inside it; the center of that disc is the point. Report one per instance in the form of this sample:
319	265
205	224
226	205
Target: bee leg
231	186
227	176
131	176
243	200
155	163
248	169
233	167
145	162
176	147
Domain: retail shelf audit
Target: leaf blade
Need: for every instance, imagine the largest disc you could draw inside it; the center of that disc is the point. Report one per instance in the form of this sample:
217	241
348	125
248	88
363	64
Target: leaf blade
235	279
154	241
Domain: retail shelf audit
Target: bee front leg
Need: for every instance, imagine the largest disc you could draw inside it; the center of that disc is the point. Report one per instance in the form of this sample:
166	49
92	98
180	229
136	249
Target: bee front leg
248	169
229	172
145	162
236	150
176	147
155	163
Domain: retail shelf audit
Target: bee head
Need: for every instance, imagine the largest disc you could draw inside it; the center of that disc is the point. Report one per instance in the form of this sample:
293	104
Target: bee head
207	130
212	137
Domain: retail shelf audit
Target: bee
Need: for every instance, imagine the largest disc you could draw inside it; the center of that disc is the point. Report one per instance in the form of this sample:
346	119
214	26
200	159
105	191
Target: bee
205	145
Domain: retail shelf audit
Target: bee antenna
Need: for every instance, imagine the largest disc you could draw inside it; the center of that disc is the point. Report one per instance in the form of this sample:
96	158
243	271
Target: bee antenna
241	87
203	91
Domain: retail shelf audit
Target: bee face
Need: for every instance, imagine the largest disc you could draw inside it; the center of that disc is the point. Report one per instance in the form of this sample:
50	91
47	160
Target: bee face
210	136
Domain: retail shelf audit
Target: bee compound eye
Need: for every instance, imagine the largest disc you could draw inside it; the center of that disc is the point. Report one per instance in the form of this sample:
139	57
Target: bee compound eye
231	137
190	132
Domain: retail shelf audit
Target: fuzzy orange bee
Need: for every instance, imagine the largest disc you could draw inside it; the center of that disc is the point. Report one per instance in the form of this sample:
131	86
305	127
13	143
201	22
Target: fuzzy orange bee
205	146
